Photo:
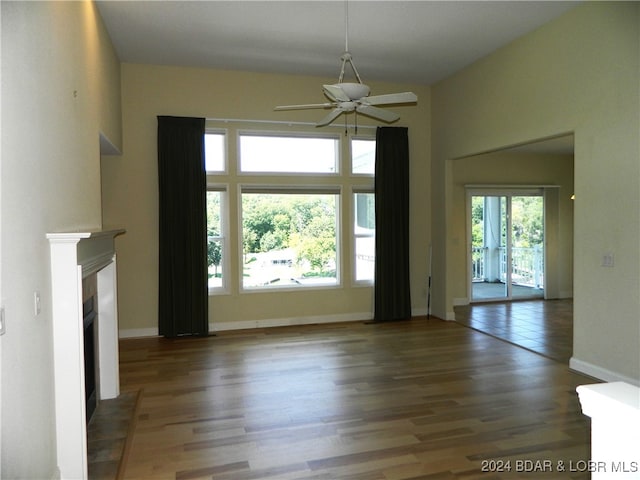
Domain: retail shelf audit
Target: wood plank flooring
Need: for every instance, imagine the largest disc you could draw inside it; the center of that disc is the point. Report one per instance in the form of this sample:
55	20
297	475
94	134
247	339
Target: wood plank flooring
423	399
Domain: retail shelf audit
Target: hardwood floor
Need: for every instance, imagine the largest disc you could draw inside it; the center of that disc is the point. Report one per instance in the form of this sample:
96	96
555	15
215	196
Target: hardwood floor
424	399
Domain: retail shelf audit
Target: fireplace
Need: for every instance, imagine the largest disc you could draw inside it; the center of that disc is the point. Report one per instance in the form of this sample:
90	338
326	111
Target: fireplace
88	335
85	338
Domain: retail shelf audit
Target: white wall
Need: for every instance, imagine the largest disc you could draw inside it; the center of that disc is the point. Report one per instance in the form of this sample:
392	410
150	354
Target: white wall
60	89
576	74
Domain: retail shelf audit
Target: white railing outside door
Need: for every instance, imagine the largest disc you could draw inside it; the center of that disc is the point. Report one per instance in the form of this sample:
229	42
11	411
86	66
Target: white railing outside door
527	265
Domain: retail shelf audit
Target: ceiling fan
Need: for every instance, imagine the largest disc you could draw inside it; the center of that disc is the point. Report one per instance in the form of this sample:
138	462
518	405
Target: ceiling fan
346	97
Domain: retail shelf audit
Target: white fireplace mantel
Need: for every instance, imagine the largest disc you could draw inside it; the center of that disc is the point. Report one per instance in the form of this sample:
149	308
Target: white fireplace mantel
74	257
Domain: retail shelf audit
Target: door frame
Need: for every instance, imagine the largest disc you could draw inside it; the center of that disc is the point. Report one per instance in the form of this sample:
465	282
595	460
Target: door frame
503	191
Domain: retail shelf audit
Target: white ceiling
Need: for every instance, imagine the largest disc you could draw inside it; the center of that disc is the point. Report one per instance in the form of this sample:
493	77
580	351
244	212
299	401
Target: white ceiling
418	42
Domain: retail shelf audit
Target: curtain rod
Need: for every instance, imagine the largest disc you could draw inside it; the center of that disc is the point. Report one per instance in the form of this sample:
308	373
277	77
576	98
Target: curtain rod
284	122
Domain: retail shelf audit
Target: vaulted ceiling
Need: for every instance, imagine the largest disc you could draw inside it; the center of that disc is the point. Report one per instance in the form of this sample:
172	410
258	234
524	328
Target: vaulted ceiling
418	42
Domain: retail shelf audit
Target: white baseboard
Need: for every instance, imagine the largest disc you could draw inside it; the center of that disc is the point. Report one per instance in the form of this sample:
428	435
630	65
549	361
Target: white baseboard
460	301
276	322
288	322
138	332
266	323
417	312
599	372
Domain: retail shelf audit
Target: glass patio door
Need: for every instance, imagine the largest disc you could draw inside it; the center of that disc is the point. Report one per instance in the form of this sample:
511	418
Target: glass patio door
507	246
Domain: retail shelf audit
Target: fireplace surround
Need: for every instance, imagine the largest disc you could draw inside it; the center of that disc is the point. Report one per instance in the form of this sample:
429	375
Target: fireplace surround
77	258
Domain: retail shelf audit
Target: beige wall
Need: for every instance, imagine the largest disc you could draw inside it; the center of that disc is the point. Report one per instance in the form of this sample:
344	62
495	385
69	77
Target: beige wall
60	89
513	169
577	74
130	196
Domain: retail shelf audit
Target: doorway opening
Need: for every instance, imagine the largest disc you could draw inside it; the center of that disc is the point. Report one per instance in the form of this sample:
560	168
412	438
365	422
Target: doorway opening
507	244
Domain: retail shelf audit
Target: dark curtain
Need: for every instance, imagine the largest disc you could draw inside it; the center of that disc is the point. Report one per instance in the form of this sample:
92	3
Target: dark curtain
392	295
183	291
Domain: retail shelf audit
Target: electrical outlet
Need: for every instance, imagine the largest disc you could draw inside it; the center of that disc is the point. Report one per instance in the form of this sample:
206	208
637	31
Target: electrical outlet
2	322
607	259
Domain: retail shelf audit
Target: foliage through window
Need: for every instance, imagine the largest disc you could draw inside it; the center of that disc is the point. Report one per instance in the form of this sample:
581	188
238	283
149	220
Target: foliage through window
289	239
215	238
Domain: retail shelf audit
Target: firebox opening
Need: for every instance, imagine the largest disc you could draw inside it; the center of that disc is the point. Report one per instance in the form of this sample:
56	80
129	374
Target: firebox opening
89	315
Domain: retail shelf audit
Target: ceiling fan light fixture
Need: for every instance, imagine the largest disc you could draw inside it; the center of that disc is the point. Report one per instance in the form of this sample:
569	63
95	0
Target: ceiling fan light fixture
355	91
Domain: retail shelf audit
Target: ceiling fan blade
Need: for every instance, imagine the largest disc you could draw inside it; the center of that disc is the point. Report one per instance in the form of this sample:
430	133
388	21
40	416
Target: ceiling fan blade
378	113
335	93
329	118
404	97
304	107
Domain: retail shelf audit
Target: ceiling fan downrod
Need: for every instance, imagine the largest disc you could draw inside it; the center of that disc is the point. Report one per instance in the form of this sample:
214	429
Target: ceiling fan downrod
346	56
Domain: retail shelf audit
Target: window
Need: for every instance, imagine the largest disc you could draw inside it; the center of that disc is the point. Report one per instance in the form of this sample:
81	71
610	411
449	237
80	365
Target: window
363	163
215	237
215	163
290	238
288	154
363	156
214	152
364	231
276	205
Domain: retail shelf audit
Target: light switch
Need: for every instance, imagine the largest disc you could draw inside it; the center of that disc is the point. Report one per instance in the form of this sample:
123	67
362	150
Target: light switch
607	259
36	303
